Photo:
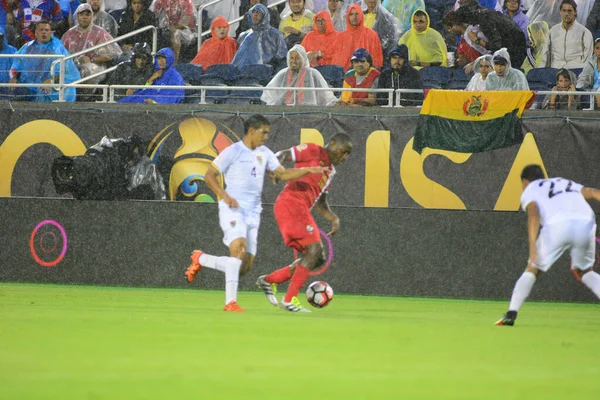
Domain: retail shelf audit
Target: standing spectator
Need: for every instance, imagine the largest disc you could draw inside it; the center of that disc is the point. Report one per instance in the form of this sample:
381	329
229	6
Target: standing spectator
136	71
569	44
261	44
165	75
593	20
5	63
537	33
136	16
297	24
31	11
498	28
466	53
219	49
514	10
504	76
589	79
403	10
361	76
337	11
322	42
37	70
549	11
426	46
298	74
565	82
102	18
178	17
357	35
400	75
482	67
383	22
274	20
85	35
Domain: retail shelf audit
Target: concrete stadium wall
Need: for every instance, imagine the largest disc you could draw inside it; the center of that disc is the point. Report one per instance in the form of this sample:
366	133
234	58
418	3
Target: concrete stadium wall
406	252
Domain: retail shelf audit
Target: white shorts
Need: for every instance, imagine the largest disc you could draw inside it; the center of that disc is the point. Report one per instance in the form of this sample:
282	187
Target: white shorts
577	235
237	223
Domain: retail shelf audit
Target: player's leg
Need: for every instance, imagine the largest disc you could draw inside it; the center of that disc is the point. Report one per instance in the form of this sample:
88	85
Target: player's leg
312	258
583	256
237	252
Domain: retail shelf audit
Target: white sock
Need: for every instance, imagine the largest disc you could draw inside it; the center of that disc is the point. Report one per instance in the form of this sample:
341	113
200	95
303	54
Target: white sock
592	280
232	277
521	290
214	262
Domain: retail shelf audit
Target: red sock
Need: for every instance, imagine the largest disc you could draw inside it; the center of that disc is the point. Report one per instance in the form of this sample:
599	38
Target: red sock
298	280
279	276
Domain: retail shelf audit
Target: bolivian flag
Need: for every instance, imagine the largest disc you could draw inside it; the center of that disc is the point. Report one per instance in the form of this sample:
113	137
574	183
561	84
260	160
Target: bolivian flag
470	122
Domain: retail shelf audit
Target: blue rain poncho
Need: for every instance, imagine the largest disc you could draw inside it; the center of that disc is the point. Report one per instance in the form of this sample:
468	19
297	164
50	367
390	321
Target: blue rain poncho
170	77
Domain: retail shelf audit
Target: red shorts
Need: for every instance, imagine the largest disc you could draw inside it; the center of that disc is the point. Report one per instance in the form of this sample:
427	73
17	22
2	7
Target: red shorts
296	223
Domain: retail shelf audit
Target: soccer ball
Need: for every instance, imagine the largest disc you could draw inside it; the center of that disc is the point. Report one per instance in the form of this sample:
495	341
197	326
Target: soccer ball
319	294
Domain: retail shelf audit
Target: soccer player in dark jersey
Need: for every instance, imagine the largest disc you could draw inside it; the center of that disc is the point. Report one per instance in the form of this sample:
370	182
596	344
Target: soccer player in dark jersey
296	223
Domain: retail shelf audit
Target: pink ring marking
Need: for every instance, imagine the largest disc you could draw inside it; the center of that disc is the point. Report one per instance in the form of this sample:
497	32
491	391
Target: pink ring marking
32	243
42	242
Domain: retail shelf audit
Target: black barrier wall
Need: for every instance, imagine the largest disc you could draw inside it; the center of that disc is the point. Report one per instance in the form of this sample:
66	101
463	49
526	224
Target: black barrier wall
407	252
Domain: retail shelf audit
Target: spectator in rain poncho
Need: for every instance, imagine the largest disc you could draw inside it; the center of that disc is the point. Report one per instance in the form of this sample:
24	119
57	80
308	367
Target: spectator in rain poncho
261	44
228	9
504	76
537	32
102	18
5	63
274	17
425	45
300	75
482	67
297	24
565	82
357	35
137	71
37	70
382	22
165	75
337	10
549	11
177	16
403	10
514	10
321	43
219	49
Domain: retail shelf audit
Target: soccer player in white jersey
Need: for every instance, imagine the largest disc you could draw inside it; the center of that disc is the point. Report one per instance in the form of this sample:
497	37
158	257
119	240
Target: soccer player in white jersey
559	219
243	166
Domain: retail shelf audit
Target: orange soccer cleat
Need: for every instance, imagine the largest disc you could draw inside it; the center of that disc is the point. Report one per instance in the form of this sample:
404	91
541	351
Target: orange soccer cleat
232	306
194	267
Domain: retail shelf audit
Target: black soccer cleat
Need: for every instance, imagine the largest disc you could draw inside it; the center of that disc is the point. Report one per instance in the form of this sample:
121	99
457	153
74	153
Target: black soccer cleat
508	319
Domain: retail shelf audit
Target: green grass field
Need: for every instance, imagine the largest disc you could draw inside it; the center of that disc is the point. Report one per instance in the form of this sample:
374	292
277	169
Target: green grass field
77	342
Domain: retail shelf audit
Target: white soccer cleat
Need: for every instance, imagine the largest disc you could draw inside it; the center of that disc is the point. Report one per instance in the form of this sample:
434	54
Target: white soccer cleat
270	289
293	306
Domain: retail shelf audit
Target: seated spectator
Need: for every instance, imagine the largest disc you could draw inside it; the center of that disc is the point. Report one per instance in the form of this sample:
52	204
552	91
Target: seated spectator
85	35
31	11
426	46
274	20
298	74
467	52
5	63
537	32
514	10
297	24
498	28
357	35
261	44
403	10
102	18
565	82
219	49
504	76
178	17
321	43
137	71
37	70
569	44
337	11
361	76
382	22
165	75
136	16
589	79
482	67
400	75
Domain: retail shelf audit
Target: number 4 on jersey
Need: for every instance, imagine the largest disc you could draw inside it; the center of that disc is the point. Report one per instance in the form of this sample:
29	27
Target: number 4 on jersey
253	172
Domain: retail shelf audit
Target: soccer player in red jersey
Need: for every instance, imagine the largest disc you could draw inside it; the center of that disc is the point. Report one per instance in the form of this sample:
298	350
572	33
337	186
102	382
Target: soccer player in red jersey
295	220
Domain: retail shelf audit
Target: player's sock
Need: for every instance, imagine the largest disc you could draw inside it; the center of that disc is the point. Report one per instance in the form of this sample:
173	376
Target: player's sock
214	262
521	290
592	280
298	280
279	276
232	277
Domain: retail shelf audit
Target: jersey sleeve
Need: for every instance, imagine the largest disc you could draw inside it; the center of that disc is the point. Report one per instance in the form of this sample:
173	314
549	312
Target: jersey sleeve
527	196
305	152
225	159
272	160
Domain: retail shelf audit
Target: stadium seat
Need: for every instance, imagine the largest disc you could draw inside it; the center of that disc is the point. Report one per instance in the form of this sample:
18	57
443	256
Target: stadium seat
191	73
435	77
244	97
459	80
541	78
576	71
254	75
224	74
333	74
596	34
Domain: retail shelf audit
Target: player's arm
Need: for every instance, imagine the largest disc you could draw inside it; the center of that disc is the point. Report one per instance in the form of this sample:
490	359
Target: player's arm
287	174
590	193
324	211
285	156
211	178
533	229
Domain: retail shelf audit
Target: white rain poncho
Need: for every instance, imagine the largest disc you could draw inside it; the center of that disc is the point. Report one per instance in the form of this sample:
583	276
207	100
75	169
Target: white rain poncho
306	77
513	79
477	83
339	15
385	25
106	21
